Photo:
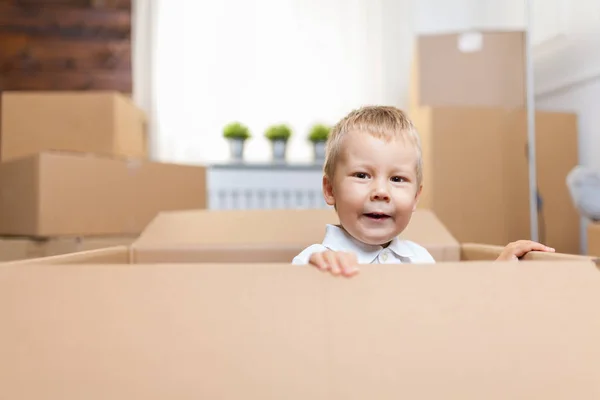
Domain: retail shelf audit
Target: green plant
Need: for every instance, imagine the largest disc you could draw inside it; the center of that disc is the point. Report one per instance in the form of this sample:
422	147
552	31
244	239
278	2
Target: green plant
319	133
236	130
278	132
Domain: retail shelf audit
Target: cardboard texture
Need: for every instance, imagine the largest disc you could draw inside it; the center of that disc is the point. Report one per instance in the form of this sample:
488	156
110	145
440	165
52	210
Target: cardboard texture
106	123
12	249
474	68
116	255
593	239
70	194
67	245
258	236
269	235
476	174
476	330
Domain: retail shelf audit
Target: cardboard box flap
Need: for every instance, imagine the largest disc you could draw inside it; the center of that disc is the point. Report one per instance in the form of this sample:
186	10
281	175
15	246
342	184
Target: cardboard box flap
199	233
207	227
426	229
277	227
468	331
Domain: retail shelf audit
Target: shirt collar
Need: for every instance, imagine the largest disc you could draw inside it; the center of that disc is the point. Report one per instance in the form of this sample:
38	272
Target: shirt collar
337	239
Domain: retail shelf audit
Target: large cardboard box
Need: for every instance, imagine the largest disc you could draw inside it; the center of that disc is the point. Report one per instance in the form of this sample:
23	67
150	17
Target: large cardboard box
69	194
259	236
476	176
593	239
106	123
478	330
472	68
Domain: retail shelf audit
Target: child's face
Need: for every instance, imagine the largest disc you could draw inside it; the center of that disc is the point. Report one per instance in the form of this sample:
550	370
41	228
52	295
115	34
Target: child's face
374	187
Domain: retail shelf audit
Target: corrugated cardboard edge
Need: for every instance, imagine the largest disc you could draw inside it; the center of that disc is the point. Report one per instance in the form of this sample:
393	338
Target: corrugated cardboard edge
108	255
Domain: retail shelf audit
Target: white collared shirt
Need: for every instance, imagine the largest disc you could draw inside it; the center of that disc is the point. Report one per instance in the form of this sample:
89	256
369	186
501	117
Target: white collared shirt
398	252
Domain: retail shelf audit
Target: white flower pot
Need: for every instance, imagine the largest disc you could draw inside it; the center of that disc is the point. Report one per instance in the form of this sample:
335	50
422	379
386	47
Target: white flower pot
279	149
236	148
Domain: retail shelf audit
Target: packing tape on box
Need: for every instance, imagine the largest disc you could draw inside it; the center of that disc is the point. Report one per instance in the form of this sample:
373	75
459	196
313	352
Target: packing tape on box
470	42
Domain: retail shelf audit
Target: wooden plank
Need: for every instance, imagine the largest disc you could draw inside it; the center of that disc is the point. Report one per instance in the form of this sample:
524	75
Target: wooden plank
81	23
11	44
65	45
41	54
76	80
49	3
120	4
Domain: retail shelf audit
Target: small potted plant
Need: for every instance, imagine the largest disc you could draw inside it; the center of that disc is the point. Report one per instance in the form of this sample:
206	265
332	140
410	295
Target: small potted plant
318	135
237	134
279	136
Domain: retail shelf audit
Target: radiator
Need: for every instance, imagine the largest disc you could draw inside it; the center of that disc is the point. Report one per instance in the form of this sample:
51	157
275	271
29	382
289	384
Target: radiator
264	187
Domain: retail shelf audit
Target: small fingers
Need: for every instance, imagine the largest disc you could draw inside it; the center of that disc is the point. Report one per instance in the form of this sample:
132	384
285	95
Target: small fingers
349	264
337	263
333	262
525	246
318	260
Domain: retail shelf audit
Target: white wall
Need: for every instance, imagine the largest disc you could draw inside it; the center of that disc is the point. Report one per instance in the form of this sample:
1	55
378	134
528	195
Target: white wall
271	61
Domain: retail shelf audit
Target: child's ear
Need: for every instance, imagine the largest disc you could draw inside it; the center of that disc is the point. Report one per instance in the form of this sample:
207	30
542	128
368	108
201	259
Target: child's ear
328	191
417	197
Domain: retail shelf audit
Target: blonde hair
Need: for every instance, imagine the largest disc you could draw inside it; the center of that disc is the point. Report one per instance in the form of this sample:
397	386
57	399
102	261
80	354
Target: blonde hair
383	122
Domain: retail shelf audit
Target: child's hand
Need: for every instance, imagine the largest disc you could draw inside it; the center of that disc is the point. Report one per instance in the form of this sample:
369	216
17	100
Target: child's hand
515	250
336	262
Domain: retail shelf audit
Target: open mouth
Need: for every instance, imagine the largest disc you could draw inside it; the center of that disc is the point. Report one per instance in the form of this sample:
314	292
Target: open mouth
377	216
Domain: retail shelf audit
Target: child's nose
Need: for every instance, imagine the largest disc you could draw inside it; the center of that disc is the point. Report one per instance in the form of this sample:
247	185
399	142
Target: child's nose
380	193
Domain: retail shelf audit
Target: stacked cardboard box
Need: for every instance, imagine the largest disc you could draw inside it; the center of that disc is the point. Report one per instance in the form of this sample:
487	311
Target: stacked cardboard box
593	239
468	102
75	174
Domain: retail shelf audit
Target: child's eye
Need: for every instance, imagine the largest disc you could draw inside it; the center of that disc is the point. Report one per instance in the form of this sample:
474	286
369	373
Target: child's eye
398	179
361	175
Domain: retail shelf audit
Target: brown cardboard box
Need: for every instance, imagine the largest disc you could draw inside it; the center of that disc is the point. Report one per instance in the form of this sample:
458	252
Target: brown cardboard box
18	248
69	245
472	68
478	330
106	123
593	239
13	249
476	173
259	236
69	194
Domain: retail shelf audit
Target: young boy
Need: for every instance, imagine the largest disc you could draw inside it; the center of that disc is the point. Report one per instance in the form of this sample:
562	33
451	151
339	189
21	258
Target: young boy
373	177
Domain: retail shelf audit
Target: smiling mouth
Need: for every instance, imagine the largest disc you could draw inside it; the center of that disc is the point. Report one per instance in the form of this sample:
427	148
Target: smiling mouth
377	216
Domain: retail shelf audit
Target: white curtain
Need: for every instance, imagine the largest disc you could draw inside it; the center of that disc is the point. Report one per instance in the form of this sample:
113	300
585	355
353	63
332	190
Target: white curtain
200	64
